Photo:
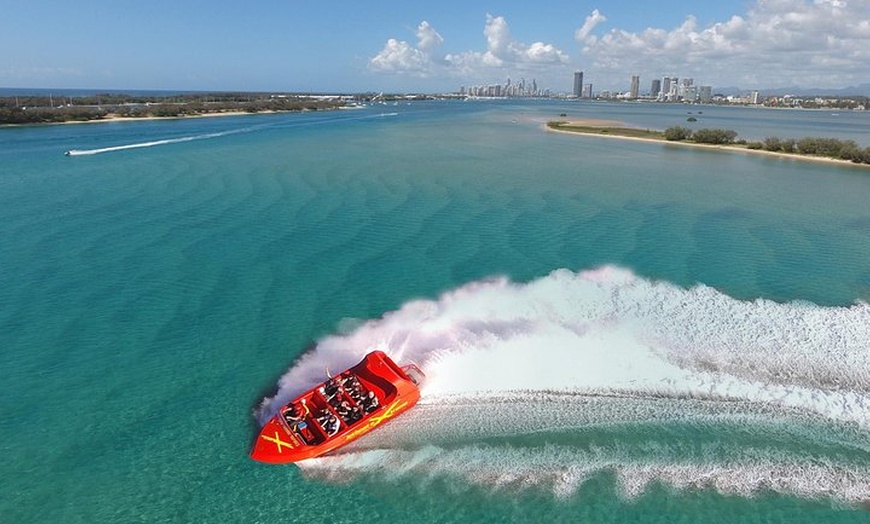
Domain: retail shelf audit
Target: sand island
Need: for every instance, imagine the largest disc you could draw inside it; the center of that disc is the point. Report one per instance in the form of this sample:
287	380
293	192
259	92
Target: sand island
819	149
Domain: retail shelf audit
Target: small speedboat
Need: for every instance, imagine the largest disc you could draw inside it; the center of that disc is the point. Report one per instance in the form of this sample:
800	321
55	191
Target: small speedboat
339	410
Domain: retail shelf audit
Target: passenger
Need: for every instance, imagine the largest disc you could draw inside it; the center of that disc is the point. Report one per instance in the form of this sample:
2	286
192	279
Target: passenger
353	388
330	424
343	409
370	402
295	414
350	383
356	413
330	389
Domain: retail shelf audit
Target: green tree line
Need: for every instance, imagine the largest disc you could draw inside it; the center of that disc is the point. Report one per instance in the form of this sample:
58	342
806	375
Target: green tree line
812	146
44	109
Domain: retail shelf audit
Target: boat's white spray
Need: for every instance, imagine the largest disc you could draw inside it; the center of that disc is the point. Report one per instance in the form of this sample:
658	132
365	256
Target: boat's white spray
205	136
152	143
572	352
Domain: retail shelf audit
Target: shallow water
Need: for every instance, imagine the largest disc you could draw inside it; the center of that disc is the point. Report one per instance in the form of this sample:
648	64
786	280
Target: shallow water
612	330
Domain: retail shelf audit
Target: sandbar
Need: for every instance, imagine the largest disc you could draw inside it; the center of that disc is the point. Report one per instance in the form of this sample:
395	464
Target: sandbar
616	126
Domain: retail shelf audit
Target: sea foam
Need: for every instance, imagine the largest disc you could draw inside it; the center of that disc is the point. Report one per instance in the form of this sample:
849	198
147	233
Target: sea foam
162	142
570	352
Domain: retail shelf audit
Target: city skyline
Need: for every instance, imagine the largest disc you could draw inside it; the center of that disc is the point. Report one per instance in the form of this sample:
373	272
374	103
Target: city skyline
383	46
665	89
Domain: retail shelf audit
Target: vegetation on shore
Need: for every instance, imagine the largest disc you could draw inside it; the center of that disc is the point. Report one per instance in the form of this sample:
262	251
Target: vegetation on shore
810	146
47	109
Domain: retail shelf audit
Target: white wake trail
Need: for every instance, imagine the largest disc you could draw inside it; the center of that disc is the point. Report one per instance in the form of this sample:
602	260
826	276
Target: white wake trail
572	352
167	141
153	143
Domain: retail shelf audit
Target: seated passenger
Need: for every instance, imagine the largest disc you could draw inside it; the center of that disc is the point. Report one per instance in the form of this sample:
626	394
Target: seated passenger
330	389
356	413
353	388
350	383
295	413
370	402
343	409
330	424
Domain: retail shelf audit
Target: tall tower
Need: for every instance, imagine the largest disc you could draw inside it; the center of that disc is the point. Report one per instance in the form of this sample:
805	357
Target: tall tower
666	86
686	86
578	84
655	88
635	86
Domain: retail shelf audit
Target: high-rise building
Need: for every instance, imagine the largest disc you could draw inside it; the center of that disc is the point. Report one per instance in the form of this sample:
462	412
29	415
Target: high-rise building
686	89
578	84
673	92
655	88
587	91
690	94
635	86
666	87
705	95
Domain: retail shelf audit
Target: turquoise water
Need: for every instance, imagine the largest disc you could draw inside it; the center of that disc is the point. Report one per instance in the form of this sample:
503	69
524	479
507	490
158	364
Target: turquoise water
613	331
750	123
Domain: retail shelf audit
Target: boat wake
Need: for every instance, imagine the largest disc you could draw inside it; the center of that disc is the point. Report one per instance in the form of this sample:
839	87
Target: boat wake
551	382
205	136
153	143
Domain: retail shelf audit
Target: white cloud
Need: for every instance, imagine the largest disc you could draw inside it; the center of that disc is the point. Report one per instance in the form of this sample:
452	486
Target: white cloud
823	43
541	53
502	52
428	39
502	49
592	20
398	56
813	43
498	37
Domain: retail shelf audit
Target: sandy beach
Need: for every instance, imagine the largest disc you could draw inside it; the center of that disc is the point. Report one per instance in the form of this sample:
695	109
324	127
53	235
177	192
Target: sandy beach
113	118
589	122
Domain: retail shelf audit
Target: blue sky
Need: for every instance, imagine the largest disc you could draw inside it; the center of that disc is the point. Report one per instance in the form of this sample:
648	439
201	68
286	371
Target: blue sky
430	47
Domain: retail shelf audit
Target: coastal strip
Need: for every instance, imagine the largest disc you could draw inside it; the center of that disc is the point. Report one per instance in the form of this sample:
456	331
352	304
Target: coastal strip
619	130
38	109
116	118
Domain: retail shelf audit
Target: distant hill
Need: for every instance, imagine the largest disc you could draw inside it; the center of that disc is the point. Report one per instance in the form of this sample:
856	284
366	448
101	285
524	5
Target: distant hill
859	90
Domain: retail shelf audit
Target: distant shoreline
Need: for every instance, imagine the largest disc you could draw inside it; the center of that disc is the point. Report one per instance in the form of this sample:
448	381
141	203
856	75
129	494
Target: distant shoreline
117	118
114	118
612	129
30	110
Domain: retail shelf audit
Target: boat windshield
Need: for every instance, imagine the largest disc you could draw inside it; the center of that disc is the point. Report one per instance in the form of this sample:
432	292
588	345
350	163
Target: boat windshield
414	373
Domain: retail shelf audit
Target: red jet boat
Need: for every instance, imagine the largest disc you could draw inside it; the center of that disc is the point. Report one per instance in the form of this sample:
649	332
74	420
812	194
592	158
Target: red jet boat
339	411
